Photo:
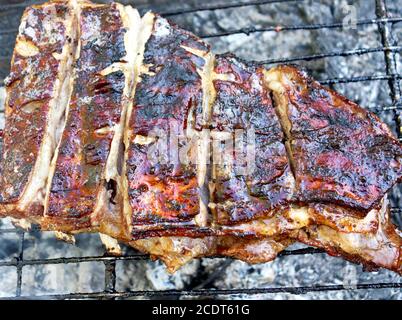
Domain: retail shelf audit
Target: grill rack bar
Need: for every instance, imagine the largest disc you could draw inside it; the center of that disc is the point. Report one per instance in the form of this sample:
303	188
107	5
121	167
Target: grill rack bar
108	260
19	264
215	292
12	6
110	276
280	28
390	48
387	39
361	79
346	53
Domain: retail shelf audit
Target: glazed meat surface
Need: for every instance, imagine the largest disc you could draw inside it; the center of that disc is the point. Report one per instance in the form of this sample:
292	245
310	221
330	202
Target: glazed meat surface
163	189
93	112
35	105
340	152
250	170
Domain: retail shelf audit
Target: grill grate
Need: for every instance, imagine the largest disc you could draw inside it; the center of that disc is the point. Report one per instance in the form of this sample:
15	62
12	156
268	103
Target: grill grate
389	48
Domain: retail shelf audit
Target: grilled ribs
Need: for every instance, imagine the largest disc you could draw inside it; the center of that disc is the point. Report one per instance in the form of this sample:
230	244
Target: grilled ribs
37	96
131	127
251	175
340	152
163	185
93	118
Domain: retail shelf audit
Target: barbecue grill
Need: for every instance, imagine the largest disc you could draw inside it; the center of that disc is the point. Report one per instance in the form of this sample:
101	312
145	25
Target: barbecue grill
205	283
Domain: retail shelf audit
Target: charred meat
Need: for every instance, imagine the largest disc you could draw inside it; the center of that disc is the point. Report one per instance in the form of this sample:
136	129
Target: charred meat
133	128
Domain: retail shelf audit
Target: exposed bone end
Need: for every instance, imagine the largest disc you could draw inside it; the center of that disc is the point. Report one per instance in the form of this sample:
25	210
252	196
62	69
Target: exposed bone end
282	81
39	184
69	238
207	76
143	140
208	88
145	31
194	51
277	82
300	215
117	66
26	48
202	218
111	244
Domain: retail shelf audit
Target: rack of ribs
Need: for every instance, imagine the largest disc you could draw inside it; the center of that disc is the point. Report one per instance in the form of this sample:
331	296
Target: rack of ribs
133	128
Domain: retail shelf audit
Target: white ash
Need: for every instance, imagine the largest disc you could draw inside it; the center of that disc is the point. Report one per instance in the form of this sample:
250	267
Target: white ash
63	278
153	276
8	284
308	270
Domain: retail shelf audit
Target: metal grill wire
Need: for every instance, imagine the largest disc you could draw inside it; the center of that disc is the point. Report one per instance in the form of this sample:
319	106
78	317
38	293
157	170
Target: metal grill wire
389	48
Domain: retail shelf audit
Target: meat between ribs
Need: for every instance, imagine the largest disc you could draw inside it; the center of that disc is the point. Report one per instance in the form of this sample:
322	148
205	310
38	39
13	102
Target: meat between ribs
37	94
94	112
340	152
163	190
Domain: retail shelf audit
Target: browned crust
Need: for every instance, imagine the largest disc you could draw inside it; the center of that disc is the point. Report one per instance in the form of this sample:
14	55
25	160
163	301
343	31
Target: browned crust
94	112
33	87
341	153
165	192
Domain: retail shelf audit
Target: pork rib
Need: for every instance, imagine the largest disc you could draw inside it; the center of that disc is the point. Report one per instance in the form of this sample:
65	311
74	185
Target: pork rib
251	175
340	152
38	90
85	169
93	116
163	195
